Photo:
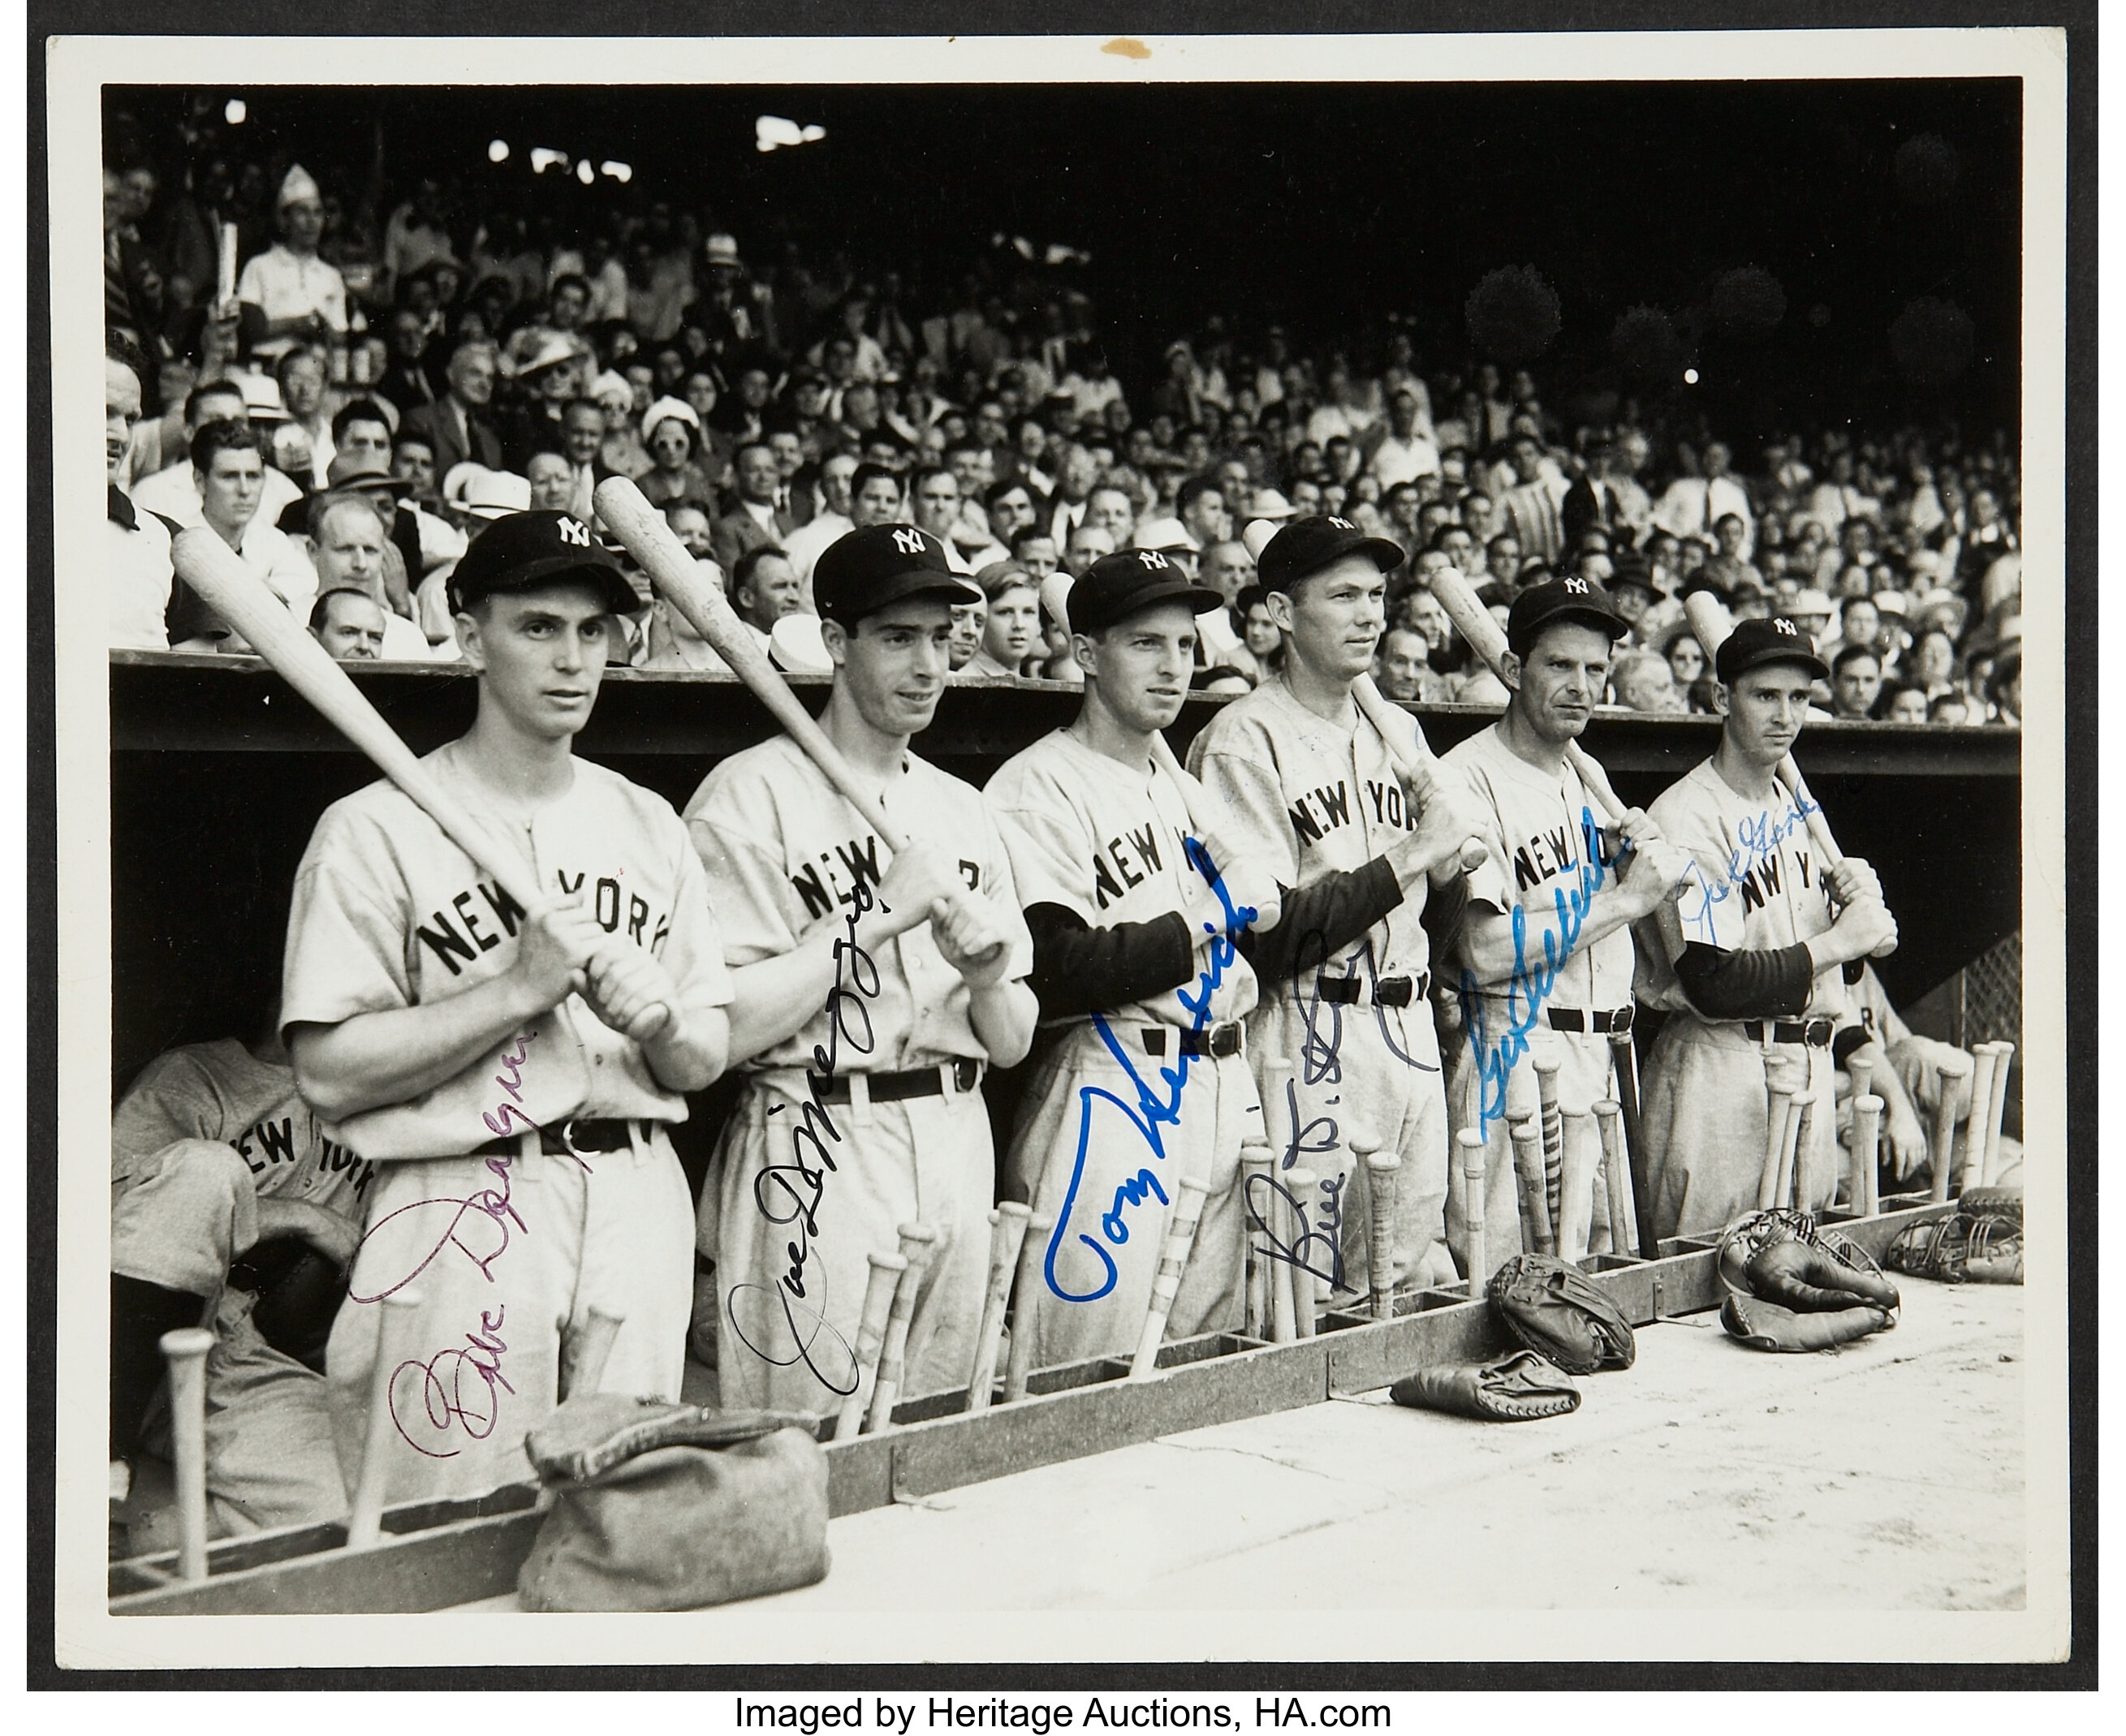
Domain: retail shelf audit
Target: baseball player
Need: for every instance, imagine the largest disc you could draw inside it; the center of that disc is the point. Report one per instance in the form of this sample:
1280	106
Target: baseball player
1541	957
872	990
214	1155
1312	786
510	1070
1149	941
1752	959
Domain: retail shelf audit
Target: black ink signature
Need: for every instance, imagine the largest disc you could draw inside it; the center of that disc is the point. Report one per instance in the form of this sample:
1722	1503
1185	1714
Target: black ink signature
790	1193
1326	1230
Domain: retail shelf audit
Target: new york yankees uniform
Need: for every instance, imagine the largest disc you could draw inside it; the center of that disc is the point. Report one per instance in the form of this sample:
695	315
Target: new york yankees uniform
507	1237
1546	855
1758	885
1123	1102
200	1138
1355	1021
808	1181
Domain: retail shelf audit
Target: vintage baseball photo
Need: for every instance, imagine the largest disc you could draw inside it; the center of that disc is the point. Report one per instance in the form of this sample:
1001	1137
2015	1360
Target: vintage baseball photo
1053	849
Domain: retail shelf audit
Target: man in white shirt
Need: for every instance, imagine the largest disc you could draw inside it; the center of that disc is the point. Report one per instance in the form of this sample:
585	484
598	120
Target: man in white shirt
348	542
231	470
1400	450
173	492
288	294
1693	505
1532	505
830	523
136	543
1200	504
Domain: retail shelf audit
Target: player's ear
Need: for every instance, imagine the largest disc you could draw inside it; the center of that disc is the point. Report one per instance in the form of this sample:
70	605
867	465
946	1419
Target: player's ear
834	637
469	645
1720	697
1279	604
1509	670
1086	650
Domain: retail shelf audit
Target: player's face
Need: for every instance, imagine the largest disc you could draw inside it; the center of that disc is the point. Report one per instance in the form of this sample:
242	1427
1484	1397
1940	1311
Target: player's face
540	657
1336	617
1765	708
1562	679
894	666
1013	626
1141	665
353	631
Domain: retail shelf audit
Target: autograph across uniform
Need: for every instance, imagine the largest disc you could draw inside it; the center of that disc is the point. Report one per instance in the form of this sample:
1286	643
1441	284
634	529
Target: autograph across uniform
911	1138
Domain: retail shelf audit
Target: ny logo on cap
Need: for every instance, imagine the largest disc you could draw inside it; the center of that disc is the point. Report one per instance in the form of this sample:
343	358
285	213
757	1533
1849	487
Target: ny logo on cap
1578	586
909	541
1342	524
1786	627
574	531
1151	558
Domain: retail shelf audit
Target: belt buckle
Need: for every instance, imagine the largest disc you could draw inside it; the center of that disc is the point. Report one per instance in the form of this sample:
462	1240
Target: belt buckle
1225	1040
1620	1020
1817	1033
959	1076
1393	992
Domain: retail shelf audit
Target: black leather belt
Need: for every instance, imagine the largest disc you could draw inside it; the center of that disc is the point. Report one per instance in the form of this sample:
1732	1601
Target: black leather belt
1217	1041
1816	1032
561	1139
1571	1018
897	1088
1347	991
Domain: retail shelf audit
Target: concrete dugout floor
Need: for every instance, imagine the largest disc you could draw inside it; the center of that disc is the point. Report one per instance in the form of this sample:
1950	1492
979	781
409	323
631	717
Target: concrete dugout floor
1886	1475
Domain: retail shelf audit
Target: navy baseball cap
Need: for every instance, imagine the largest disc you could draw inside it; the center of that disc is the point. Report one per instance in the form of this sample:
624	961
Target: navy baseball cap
1771	640
1571	598
521	551
1306	545
861	573
1117	586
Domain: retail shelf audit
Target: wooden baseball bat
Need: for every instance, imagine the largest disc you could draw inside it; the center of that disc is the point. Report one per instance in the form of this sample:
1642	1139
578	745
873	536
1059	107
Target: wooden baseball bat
585	1353
1166	1283
1545	1062
1858	1068
1302	1182
1996	1111
1026	1305
1980	1117
1779	1095
1255	1161
1811	1185
1941	1154
186	1350
366	1513
1623	1062
1710	625
1616	1176
886	1271
1488	639
1279	1133
1527	1140
1576	1220
1787	1187
1283	1300
1007	1236
240	597
919	1243
1473	1250
1383	1175
1867	1129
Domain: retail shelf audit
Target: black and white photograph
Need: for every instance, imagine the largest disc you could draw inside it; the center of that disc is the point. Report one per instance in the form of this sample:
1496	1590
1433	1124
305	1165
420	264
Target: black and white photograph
1038	850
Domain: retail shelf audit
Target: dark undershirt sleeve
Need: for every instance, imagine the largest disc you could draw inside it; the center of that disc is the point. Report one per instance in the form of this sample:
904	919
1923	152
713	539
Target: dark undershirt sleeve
1321	917
1842	1044
1769	983
1079	970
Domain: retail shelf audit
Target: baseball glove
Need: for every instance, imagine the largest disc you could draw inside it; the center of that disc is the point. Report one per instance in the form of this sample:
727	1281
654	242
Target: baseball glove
1980	1241
1519	1387
299	1290
1551	1308
1792	1288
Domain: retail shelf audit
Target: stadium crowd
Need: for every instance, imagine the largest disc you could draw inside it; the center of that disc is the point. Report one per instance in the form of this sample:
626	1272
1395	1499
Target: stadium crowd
348	401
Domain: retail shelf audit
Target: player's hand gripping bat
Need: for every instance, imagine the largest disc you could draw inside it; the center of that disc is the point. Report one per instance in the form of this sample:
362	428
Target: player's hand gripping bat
243	600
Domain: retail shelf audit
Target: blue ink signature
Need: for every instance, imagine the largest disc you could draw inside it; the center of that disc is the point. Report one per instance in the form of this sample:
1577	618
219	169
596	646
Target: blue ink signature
790	1193
1756	839
1151	1111
1528	989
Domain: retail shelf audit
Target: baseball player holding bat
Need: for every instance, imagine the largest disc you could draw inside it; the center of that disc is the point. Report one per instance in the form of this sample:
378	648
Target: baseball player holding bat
873	985
1542	955
1752	959
1314	786
509	1064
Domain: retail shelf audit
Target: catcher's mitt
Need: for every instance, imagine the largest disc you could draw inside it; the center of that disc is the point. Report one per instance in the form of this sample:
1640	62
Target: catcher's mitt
1519	1387
1791	1287
1552	1308
1980	1241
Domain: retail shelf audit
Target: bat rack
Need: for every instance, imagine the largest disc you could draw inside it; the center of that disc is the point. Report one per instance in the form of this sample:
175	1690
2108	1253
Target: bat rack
434	1555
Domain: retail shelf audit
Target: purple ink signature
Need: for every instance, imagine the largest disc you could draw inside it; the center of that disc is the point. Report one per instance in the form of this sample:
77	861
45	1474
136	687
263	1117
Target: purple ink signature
445	1390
